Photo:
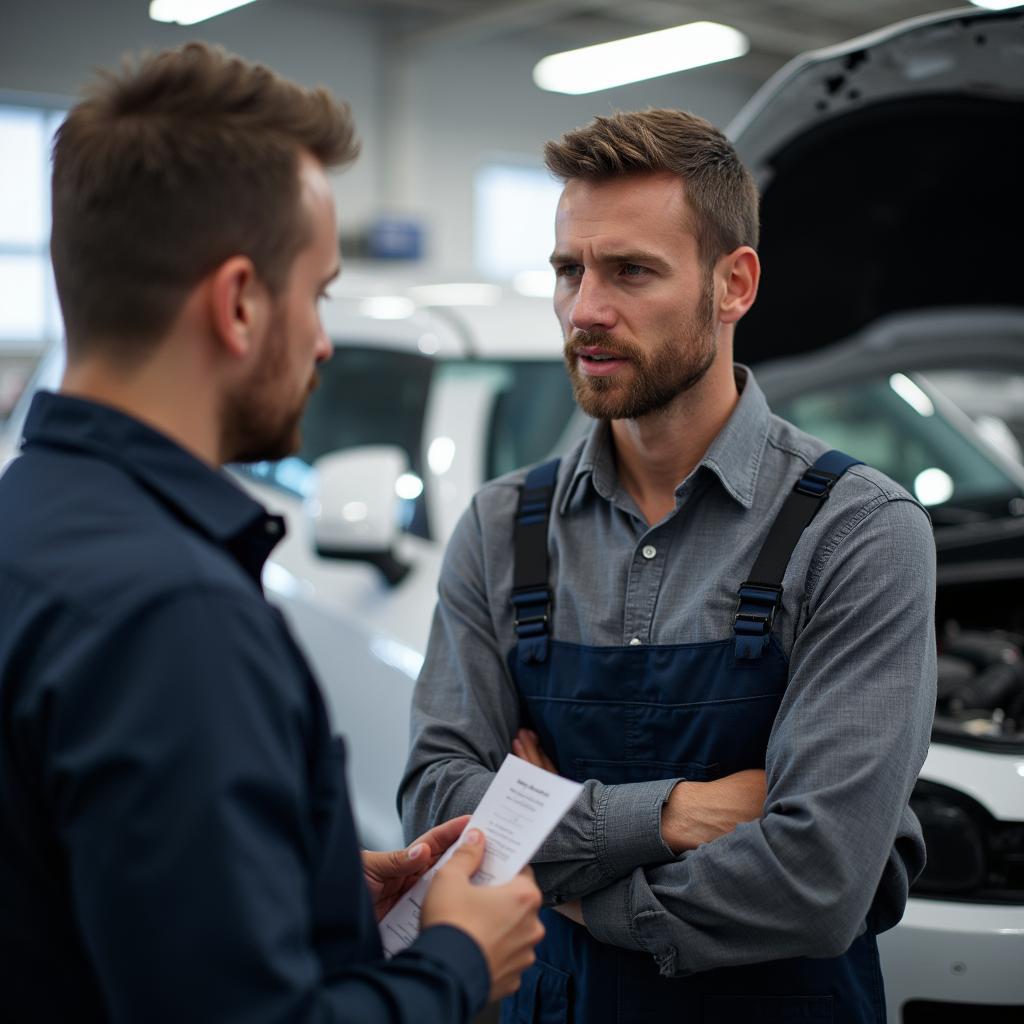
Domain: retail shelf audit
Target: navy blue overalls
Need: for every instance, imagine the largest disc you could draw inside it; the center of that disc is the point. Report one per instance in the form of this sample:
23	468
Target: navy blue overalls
695	711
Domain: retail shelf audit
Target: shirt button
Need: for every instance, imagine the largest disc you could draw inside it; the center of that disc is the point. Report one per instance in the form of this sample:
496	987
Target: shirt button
635	642
272	527
649	551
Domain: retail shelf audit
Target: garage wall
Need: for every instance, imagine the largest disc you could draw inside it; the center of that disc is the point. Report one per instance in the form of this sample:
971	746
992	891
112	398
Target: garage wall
51	46
460	106
428	114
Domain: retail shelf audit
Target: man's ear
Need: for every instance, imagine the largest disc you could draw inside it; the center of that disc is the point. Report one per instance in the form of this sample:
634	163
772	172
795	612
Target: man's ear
740	272
238	305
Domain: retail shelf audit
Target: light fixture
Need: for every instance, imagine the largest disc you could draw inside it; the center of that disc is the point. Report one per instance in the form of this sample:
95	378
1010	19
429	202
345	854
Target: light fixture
188	12
639	57
997	5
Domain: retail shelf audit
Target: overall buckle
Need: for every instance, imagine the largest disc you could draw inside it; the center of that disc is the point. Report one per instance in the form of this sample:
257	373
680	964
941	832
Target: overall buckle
756	606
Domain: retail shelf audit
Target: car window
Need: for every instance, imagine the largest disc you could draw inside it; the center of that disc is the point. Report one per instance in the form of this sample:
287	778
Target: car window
904	426
994	399
367	395
532	405
372	395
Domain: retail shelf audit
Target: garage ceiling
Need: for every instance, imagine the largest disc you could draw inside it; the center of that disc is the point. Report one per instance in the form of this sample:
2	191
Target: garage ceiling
778	29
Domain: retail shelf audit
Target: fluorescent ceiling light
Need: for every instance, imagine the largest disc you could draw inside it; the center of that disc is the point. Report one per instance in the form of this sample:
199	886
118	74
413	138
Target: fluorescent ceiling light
997	5
472	294
188	12
639	57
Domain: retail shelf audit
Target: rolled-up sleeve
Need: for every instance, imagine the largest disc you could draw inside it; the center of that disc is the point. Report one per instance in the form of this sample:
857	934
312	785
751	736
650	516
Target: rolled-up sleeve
465	714
836	841
177	748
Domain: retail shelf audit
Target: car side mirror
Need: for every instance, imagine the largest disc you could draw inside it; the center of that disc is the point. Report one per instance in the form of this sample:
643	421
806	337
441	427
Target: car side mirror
353	508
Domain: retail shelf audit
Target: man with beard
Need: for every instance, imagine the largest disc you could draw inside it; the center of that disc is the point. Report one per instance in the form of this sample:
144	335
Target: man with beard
719	627
176	842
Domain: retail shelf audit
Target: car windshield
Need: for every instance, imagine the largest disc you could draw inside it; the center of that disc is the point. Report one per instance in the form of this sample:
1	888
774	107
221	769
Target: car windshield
907	426
370	395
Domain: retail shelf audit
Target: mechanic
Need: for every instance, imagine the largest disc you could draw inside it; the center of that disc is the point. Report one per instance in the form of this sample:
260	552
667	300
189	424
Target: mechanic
722	628
176	842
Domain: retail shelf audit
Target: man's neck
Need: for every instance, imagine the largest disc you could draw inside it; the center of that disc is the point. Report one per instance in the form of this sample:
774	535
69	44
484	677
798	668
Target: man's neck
655	453
151	394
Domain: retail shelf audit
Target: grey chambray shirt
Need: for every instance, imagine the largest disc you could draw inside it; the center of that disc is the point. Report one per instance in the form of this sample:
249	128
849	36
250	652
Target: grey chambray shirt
837	839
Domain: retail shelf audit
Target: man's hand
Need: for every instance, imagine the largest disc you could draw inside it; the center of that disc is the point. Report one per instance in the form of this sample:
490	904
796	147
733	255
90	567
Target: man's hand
697	812
527	746
390	875
501	919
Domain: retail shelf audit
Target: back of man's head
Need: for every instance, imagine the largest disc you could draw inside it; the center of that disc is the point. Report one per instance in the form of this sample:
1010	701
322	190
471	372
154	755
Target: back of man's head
720	191
165	170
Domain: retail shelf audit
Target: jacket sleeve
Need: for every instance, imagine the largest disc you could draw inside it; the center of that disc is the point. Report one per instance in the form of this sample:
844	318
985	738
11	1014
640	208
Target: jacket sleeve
177	750
465	714
837	840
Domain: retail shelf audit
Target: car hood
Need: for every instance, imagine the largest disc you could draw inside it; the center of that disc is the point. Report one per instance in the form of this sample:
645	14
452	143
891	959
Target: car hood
890	172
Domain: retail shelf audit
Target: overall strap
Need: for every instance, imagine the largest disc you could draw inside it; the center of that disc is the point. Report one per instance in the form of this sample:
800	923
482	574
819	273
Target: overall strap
761	595
531	595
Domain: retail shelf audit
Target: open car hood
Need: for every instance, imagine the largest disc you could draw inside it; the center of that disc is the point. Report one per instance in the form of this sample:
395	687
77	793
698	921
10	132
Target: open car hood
890	169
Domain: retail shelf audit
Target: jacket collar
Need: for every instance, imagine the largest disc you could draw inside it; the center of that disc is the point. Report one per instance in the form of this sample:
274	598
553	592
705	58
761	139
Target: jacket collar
205	497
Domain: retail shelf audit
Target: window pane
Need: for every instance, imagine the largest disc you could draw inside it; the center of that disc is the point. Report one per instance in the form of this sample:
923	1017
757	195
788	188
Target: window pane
24	213
515	219
23	297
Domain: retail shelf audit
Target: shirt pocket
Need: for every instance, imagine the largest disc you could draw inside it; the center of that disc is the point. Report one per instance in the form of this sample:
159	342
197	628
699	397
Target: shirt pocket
543	997
611	772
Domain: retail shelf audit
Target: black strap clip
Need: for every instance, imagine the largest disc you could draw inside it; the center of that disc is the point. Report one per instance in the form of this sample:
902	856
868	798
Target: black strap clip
815	483
755	615
531	621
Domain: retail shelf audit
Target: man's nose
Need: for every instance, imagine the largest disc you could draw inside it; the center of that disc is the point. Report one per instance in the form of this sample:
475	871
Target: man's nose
592	307
324	347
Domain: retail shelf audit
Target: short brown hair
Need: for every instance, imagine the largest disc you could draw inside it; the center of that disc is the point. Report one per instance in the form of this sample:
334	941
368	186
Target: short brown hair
719	189
166	169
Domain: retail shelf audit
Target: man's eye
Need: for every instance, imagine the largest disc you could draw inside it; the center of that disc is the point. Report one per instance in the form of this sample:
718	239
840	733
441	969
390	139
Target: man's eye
568	270
633	270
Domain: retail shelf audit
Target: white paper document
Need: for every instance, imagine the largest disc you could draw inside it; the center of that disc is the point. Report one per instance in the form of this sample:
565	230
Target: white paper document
516	814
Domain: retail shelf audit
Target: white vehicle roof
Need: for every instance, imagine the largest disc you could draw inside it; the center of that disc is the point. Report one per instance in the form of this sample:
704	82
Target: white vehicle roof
449	319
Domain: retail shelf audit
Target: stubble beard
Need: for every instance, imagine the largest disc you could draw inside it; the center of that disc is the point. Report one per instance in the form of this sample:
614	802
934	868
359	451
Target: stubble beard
257	426
657	377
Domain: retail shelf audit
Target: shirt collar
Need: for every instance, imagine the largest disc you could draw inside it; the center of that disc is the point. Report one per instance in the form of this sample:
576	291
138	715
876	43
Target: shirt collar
734	456
204	497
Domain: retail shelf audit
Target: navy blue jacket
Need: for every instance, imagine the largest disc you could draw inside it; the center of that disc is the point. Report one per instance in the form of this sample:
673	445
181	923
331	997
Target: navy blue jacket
176	842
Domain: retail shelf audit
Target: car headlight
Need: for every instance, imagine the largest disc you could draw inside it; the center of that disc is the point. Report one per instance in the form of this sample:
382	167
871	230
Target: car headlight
971	855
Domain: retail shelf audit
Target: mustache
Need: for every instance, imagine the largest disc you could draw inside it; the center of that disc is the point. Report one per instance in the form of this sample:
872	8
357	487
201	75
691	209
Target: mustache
580	340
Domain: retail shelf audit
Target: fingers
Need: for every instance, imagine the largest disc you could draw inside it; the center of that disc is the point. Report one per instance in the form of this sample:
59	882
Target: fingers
439	838
526	745
468	856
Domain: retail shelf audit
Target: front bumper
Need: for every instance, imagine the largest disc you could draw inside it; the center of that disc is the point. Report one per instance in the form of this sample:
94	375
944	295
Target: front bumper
946	951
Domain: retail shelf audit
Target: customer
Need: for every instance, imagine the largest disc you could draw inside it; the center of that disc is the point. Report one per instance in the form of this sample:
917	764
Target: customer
176	842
